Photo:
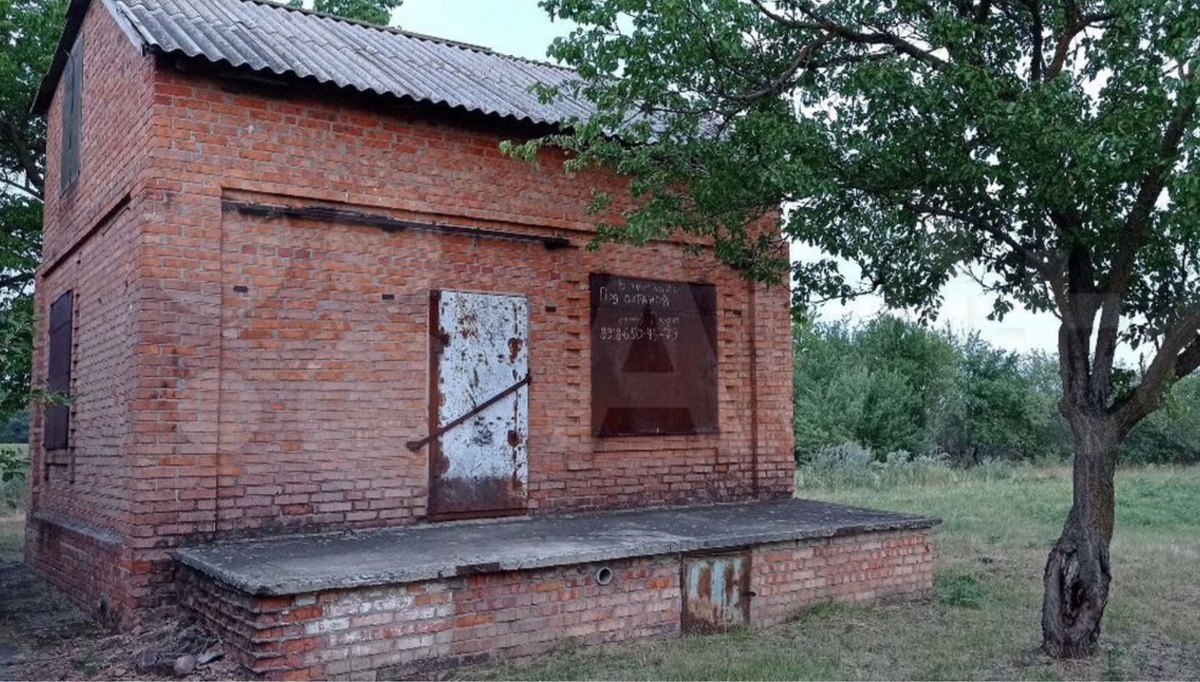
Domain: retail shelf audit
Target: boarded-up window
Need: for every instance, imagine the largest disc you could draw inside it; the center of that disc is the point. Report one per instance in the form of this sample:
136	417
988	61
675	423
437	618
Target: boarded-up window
654	357
72	116
58	380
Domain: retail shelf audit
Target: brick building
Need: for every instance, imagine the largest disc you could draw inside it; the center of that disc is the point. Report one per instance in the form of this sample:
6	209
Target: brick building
292	286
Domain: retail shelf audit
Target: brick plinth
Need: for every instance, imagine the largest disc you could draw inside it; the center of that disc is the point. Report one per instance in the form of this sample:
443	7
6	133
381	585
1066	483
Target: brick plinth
400	630
854	568
79	559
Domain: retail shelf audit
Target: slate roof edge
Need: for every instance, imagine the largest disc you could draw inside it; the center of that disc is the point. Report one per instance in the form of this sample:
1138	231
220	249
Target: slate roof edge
411	34
436	571
352	90
77	11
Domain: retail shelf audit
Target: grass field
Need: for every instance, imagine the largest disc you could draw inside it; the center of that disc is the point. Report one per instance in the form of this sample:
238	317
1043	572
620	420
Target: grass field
983	622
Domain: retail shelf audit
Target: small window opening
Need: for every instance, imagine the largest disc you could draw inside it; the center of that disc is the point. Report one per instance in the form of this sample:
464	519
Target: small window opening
57	427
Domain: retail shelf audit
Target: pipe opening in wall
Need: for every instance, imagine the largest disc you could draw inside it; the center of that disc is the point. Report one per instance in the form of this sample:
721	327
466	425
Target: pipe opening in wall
604	576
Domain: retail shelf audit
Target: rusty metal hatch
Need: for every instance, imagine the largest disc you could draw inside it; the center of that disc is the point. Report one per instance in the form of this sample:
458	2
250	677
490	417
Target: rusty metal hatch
479	404
716	592
654	357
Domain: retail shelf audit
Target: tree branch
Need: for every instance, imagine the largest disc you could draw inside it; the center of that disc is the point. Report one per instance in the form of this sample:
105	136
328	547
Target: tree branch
1068	36
1137	225
803	59
1178	356
1037	61
1153	183
25	157
1189	359
23	188
14	280
818	22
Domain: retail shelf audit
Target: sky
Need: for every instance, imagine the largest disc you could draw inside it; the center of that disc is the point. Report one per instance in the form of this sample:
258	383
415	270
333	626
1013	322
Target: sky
521	28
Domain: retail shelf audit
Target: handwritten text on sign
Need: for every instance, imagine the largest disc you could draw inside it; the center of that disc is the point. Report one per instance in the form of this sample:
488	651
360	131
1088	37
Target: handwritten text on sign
653	356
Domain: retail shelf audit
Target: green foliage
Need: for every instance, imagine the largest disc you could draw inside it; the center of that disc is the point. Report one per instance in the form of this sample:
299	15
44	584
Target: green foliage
378	12
996	410
15	428
28	34
29	29
911	138
891	385
14	463
850	465
1172	434
16	340
879	384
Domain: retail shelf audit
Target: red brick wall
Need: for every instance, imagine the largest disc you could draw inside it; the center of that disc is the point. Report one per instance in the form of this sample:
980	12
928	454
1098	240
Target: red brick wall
117	95
854	568
402	630
405	629
316	383
83	560
200	410
89	248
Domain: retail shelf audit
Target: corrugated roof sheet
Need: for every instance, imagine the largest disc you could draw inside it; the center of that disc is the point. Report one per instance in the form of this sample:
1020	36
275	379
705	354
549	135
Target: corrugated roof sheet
271	38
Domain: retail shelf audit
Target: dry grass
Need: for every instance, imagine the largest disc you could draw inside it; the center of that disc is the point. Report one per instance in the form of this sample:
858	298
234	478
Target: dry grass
983	623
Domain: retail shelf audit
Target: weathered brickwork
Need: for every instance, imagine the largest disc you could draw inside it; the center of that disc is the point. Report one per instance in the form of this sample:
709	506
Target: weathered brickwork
236	375
91	238
83	560
402	630
309	363
852	568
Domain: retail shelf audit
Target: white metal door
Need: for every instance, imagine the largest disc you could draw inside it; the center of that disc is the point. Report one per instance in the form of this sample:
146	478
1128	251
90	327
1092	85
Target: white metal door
479	403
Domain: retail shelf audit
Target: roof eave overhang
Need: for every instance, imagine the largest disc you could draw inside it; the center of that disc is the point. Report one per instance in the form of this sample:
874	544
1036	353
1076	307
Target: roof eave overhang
223	68
76	12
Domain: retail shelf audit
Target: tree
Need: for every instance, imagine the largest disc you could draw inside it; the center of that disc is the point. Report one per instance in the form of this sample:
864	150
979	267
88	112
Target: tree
378	12
28	34
997	411
1050	145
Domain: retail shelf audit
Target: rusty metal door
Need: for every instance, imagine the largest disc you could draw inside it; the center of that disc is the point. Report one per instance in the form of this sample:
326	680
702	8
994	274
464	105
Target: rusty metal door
479	404
716	592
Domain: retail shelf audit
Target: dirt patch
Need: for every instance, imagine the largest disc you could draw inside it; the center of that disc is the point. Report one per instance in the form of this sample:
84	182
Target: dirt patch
43	636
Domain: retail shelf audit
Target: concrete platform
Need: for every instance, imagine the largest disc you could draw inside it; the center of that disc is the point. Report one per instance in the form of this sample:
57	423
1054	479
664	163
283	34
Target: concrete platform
302	564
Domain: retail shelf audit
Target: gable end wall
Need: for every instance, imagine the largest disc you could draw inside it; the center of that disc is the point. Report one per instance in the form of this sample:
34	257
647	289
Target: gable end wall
80	500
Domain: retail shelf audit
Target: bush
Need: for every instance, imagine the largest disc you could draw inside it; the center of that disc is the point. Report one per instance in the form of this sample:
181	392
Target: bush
959	589
14	468
850	465
892	385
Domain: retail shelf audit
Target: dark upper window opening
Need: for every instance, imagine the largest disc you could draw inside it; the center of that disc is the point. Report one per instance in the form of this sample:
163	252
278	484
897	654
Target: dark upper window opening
72	116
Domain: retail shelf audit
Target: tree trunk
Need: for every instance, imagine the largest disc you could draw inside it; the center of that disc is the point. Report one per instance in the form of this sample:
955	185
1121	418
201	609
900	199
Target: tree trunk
1077	573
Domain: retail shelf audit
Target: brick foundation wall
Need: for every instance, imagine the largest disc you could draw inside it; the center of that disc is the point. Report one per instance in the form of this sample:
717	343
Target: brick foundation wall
852	568
404	630
84	561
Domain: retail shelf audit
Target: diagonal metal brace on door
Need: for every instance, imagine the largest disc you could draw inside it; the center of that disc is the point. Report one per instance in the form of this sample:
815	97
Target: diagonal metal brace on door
414	445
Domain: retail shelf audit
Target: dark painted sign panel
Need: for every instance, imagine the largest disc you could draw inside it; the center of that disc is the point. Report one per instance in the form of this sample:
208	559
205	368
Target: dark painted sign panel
654	357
